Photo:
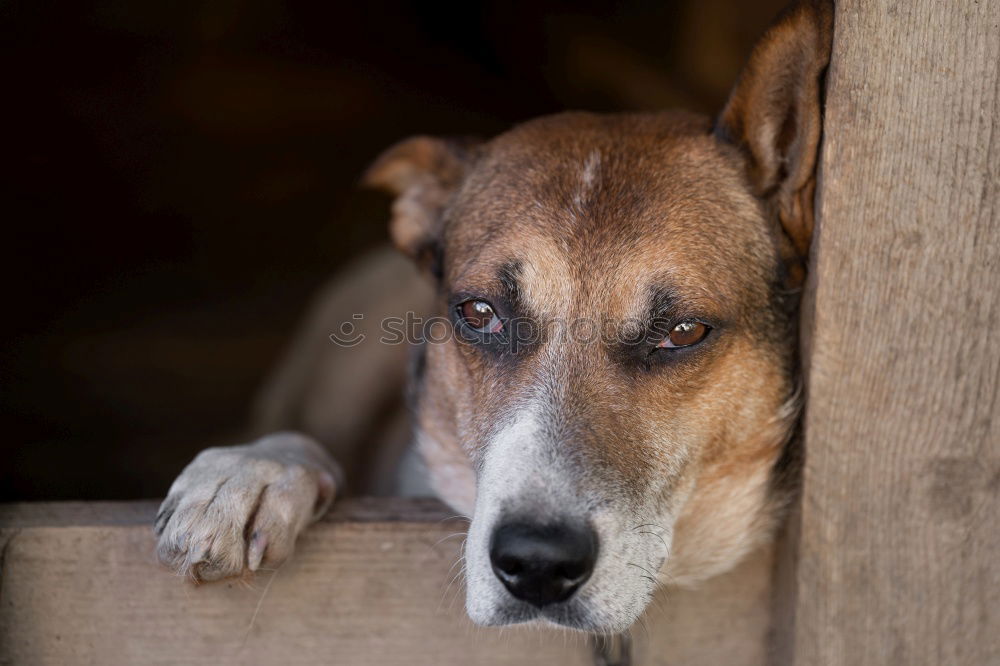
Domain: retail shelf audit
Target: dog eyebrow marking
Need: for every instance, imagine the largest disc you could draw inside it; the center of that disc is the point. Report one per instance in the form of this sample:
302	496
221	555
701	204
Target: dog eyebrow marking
591	168
664	302
508	278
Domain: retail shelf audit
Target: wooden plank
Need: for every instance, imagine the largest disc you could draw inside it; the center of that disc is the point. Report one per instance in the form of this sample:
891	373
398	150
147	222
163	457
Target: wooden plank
369	584
898	548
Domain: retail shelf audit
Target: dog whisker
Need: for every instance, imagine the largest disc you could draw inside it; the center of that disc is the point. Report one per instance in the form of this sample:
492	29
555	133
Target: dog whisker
455	517
445	538
646	525
660	537
459	560
633	564
447	588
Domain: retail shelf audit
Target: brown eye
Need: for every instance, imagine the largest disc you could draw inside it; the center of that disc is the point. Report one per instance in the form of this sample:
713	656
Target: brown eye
685	334
480	316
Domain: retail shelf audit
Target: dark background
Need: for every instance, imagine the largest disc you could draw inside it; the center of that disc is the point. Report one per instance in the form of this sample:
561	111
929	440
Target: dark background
180	177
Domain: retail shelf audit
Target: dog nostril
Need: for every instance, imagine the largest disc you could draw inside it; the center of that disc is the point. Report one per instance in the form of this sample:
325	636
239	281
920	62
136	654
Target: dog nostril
509	565
543	564
570	572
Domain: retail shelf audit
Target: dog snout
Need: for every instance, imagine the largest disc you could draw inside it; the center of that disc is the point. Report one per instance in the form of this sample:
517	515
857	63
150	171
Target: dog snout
543	564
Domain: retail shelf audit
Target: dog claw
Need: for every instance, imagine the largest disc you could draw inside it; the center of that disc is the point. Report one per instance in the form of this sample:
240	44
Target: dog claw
255	552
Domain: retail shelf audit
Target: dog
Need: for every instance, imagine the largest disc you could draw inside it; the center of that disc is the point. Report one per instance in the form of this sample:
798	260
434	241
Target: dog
594	468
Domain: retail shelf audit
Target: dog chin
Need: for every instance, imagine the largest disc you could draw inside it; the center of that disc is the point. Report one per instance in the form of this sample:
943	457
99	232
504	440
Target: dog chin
570	615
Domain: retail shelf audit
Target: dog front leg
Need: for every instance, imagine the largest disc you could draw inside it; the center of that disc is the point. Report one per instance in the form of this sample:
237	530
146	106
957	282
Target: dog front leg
238	508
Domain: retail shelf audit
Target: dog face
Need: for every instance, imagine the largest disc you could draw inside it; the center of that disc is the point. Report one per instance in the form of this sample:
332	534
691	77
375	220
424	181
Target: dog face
620	385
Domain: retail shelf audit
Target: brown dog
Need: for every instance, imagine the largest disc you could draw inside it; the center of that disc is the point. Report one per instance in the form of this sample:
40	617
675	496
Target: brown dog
615	406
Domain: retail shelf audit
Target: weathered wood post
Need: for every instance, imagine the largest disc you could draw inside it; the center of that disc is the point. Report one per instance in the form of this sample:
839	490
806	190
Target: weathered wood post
896	557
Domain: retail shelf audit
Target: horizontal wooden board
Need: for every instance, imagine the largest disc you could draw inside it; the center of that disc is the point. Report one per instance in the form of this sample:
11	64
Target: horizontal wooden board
370	584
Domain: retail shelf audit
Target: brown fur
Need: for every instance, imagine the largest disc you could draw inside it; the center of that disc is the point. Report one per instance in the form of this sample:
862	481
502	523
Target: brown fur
720	216
688	221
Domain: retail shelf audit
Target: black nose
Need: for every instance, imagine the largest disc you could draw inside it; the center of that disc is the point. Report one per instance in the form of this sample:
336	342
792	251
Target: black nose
543	564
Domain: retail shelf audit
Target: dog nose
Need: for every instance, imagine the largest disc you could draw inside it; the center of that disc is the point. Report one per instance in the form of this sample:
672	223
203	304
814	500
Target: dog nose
543	564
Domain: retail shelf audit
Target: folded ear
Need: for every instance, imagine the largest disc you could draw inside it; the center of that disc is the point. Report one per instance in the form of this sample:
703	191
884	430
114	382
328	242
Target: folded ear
422	173
774	114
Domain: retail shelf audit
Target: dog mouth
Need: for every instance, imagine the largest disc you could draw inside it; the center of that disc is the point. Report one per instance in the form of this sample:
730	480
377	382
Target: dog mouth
571	614
575	614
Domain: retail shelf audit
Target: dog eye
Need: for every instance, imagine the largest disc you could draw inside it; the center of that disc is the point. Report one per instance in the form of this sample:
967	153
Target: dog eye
684	334
480	316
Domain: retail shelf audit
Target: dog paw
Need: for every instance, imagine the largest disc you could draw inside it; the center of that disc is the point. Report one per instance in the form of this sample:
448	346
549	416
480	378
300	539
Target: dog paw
236	509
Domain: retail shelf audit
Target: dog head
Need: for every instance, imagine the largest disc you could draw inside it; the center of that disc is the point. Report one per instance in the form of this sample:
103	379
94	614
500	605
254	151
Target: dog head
620	385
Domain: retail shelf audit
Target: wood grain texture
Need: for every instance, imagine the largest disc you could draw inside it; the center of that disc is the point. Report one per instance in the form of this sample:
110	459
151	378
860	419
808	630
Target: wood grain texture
898	548
369	584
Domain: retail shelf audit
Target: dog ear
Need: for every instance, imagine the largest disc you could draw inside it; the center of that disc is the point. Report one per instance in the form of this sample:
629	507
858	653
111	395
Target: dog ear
774	116
422	173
